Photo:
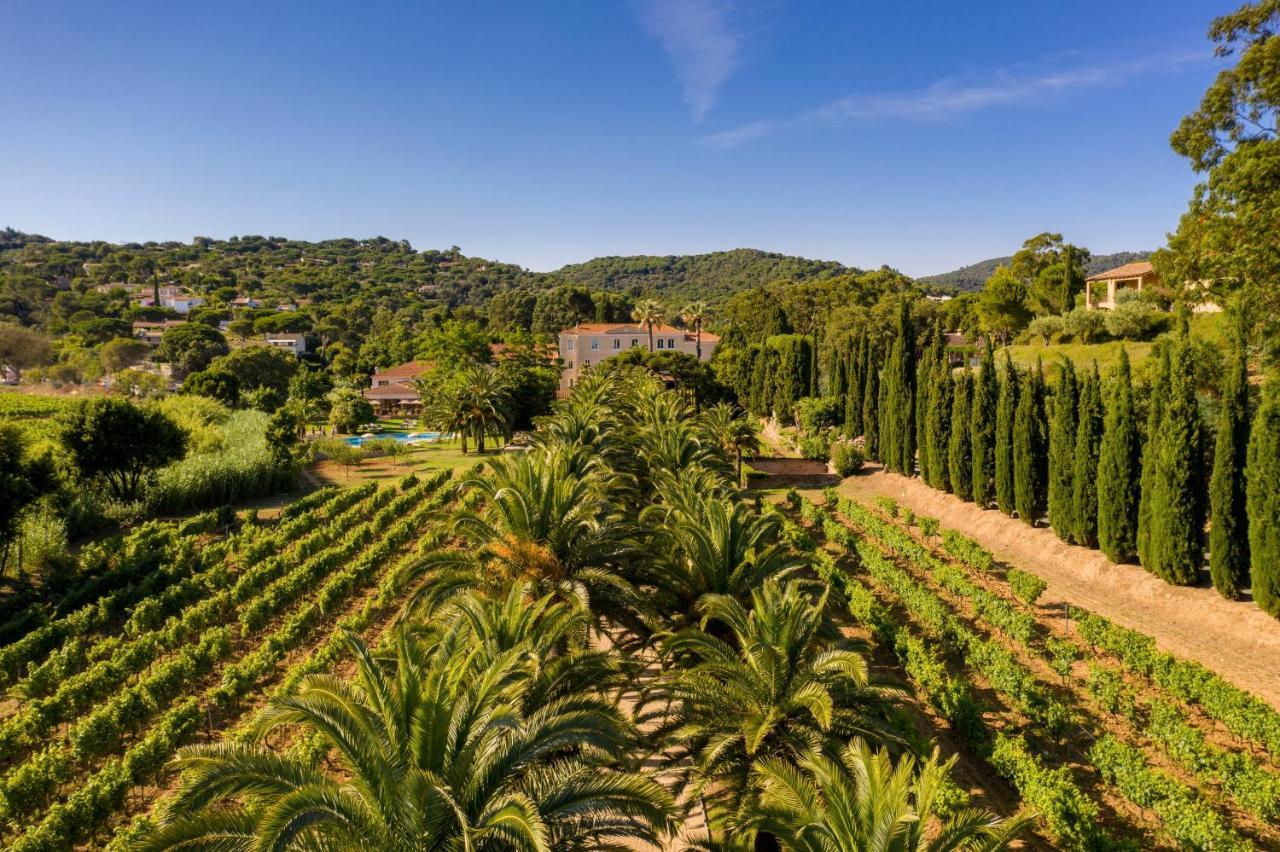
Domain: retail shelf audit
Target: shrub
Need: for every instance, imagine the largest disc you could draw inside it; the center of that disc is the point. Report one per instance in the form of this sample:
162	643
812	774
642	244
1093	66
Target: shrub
929	527
1046	328
816	447
1134	319
1085	326
814	413
888	505
846	459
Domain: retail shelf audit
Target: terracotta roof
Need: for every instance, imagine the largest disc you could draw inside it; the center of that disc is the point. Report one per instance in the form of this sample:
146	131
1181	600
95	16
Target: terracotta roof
636	328
395	390
407	370
1129	270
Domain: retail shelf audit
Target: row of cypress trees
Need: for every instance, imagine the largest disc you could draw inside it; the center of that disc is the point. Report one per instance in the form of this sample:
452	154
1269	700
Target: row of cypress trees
1077	456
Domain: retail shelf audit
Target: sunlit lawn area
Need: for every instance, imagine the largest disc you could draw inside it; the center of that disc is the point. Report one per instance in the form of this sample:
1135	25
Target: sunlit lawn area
417	459
1107	355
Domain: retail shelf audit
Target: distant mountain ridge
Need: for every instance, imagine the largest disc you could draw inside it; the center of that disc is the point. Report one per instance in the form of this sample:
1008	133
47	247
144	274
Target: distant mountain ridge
973	276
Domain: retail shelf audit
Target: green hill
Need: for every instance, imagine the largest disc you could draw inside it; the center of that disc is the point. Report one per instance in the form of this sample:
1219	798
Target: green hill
713	277
973	276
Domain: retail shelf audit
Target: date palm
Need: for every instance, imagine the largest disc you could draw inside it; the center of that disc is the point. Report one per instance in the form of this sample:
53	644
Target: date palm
735	433
711	544
543	522
473	402
782	686
648	312
695	314
861	801
428	752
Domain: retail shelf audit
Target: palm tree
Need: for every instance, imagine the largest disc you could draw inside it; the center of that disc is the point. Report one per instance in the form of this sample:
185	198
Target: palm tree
734	433
431	751
783	687
544	523
711	544
472	402
695	314
649	313
863	802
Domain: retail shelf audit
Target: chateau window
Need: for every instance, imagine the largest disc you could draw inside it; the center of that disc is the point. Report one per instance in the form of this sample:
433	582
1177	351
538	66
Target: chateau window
570	363
660	346
569	344
671	343
635	341
617	344
586	362
595	344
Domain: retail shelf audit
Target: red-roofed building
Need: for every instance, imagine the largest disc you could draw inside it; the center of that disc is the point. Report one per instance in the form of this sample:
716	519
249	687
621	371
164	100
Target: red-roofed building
590	343
395	390
1136	275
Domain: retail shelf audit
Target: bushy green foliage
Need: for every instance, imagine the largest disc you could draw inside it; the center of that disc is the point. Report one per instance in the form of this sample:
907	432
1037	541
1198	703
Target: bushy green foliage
813	413
121	443
846	458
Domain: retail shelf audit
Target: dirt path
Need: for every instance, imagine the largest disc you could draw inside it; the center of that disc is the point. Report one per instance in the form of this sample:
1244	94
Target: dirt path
1234	639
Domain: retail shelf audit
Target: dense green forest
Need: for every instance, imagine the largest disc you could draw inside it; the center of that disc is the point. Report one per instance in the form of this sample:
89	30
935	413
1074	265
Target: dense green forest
973	276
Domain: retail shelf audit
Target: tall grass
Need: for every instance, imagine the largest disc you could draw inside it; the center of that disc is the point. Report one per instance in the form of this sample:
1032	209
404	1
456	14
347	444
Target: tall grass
242	469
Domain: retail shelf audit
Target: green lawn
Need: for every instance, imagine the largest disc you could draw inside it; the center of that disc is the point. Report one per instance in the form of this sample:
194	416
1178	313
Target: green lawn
1207	326
419	459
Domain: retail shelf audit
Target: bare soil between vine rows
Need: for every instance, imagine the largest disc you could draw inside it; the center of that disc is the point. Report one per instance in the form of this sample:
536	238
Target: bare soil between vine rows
1233	638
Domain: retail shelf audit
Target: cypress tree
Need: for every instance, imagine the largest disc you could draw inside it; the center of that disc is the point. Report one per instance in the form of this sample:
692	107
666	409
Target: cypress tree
924	373
870	404
1006	408
1178	507
1030	448
1118	470
938	426
1150	445
838	381
1263	500
853	404
960	447
982	430
1228	534
907	400
1062	454
1084	475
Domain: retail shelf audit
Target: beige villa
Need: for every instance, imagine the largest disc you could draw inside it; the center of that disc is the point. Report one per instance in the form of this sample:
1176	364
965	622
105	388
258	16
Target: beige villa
1100	290
395	390
590	343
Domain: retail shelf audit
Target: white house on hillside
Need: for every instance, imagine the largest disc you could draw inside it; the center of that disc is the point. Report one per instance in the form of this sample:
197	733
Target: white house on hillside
590	343
295	343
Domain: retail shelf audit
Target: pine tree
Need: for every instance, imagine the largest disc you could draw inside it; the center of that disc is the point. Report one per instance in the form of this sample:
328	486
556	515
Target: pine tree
1118	471
1006	409
1179	505
938	426
1263	500
1228	534
1030	448
982	429
1150	448
960	447
1062	454
1084	474
870	404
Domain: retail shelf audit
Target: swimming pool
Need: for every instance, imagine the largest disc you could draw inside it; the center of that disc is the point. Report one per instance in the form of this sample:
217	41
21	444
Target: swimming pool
402	437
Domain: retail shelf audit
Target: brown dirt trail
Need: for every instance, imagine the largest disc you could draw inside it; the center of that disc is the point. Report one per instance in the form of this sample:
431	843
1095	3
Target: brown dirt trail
1235	639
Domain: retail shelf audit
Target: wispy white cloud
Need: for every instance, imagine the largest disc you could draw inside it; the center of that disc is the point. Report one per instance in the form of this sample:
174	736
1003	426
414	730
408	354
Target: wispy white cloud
948	99
700	40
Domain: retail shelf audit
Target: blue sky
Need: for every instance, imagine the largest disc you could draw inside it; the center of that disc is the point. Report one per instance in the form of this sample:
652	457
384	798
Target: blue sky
924	135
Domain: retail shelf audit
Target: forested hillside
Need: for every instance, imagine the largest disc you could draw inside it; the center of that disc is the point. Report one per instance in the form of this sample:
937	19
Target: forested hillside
711	277
973	276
